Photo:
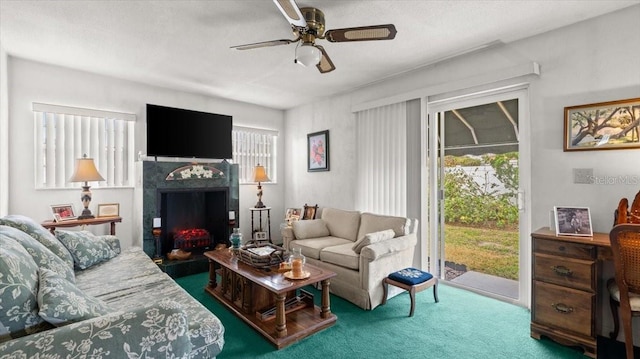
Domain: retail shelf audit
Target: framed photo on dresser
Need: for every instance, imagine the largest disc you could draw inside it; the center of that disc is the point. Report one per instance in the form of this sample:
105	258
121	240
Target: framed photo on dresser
573	221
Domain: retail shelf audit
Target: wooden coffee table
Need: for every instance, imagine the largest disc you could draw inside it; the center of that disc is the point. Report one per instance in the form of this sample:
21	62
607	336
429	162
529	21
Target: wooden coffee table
273	305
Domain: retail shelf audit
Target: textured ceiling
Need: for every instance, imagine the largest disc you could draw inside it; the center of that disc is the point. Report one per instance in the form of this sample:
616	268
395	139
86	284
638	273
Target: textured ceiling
184	45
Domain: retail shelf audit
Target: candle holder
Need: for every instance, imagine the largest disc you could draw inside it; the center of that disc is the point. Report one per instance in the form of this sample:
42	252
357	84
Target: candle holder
157	232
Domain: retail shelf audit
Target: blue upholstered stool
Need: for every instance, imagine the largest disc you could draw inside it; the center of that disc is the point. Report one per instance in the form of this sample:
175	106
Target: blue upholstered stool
412	280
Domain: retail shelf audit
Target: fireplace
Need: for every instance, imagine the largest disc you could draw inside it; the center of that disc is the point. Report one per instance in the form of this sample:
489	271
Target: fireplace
193	219
193	202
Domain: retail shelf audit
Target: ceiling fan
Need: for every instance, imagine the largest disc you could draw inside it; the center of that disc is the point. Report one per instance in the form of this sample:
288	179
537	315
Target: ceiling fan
307	24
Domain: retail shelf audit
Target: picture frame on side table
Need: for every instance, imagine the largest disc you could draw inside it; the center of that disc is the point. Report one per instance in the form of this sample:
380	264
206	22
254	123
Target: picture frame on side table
260	236
292	215
63	212
309	212
108	210
318	151
573	221
610	125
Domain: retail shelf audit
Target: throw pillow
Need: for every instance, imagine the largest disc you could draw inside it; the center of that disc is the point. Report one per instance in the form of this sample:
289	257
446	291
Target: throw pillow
113	242
61	302
41	255
41	234
18	288
85	248
310	229
371	238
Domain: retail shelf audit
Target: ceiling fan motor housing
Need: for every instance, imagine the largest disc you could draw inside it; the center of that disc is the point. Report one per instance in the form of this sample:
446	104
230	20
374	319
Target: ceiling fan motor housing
315	20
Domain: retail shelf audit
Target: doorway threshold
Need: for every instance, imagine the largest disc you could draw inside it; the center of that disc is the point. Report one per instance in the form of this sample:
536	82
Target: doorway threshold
488	283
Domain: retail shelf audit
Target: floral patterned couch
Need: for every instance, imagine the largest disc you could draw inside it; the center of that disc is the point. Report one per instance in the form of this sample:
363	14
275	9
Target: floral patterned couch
77	295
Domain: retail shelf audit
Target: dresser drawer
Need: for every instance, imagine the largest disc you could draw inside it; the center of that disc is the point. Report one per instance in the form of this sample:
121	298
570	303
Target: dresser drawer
569	272
564	249
563	308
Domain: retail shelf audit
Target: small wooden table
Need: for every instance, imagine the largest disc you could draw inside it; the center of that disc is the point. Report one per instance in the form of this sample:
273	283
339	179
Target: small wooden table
52	225
268	301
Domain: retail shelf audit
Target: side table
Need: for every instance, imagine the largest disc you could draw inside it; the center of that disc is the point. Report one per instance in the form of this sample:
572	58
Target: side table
52	225
261	227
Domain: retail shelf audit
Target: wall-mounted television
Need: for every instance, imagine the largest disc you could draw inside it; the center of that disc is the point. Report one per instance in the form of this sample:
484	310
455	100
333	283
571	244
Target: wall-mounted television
175	132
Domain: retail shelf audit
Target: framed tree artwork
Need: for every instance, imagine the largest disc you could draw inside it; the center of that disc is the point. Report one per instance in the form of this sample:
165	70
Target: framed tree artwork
602	126
318	151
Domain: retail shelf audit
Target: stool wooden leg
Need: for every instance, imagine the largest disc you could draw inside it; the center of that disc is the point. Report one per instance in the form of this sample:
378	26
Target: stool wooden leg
384	291
435	291
412	294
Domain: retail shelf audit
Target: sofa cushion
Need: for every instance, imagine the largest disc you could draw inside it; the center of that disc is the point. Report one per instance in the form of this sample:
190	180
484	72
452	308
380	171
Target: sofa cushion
41	234
311	247
61	302
371	238
341	255
41	255
310	229
341	223
85	248
18	288
370	223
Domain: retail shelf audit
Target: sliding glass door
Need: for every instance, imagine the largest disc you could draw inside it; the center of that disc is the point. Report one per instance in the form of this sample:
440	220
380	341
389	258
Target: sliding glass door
476	161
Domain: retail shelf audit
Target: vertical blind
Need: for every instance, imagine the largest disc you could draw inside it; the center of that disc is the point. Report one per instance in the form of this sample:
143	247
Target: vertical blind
63	134
381	137
253	146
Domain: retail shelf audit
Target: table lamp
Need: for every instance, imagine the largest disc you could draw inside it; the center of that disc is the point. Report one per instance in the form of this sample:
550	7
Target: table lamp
260	175
85	172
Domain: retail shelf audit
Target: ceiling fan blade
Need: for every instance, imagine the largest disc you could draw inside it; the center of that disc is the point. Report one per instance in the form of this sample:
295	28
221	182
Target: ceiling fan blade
263	44
292	12
325	65
364	33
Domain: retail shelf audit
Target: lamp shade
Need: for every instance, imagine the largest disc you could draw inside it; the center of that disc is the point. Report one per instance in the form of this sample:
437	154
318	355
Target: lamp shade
260	174
308	55
85	171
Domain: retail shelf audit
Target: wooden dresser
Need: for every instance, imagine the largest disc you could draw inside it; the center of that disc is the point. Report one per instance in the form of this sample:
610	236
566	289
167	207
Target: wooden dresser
565	287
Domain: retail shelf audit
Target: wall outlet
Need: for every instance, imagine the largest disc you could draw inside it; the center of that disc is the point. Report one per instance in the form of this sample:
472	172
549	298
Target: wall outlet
583	175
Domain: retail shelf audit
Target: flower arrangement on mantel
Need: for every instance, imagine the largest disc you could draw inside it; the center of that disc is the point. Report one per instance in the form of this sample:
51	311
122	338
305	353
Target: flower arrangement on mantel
194	172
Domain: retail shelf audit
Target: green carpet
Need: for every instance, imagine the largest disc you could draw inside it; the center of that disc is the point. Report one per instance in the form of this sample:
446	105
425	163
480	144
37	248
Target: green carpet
462	325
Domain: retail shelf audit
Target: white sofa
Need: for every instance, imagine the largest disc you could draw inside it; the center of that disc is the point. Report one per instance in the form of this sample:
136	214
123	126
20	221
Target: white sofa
385	244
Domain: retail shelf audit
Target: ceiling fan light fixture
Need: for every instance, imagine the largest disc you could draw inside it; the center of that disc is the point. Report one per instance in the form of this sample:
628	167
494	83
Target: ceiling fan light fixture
308	55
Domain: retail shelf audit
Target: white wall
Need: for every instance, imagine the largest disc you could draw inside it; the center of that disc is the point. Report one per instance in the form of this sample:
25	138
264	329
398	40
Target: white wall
593	61
36	82
583	63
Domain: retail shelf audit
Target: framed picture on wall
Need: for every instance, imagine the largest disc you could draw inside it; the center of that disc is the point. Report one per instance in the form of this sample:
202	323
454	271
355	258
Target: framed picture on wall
610	125
318	151
573	221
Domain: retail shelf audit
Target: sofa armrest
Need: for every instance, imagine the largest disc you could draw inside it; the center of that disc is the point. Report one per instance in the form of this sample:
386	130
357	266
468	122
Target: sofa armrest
287	237
387	247
156	331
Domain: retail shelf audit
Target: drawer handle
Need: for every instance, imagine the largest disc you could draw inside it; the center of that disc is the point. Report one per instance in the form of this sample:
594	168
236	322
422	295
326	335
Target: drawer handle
562	271
562	308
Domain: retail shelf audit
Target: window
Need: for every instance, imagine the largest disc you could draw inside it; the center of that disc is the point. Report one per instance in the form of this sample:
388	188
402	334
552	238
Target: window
63	134
253	146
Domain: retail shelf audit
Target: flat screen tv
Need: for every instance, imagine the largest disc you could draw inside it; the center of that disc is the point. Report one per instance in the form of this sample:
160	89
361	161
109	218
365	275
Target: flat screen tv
175	132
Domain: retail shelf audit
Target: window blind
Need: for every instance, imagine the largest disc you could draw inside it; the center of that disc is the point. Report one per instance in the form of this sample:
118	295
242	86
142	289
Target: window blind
63	134
253	146
381	137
